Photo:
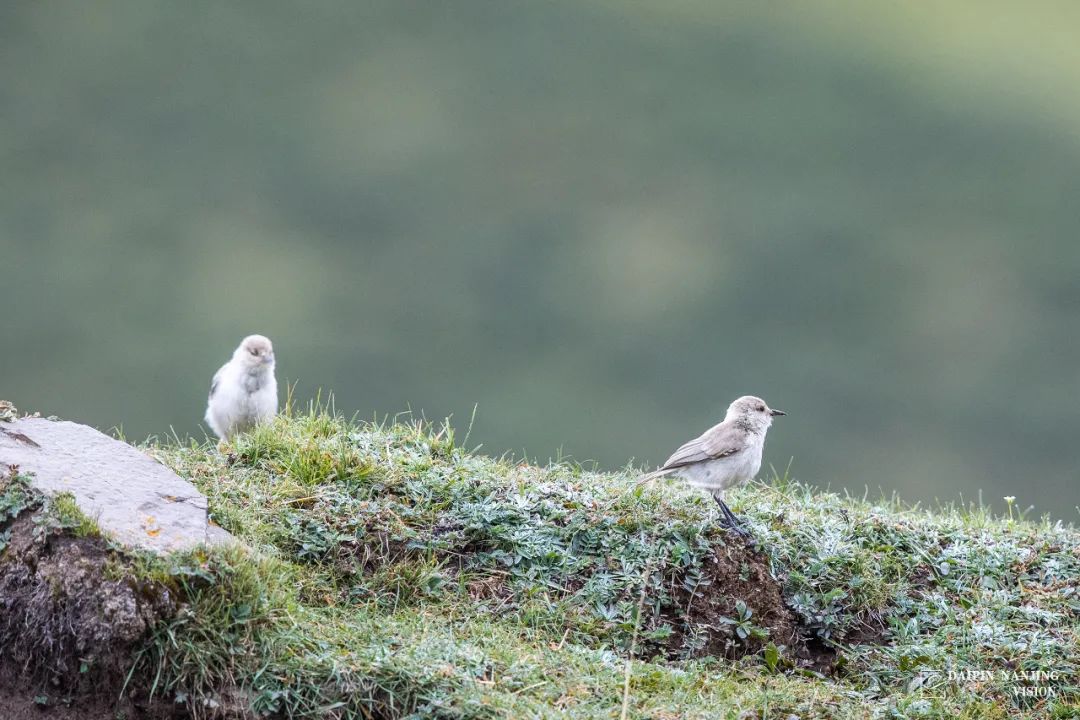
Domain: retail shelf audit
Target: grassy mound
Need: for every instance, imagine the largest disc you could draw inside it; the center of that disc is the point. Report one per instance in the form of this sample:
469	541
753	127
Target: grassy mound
385	572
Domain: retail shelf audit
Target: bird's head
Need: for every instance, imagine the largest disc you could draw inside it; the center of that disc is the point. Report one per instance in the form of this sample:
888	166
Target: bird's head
256	351
753	411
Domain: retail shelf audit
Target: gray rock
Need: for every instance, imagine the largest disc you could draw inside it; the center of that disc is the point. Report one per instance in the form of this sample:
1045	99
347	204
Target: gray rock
135	499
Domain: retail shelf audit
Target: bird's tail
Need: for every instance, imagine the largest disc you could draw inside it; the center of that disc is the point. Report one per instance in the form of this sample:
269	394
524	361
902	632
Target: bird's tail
656	473
644	479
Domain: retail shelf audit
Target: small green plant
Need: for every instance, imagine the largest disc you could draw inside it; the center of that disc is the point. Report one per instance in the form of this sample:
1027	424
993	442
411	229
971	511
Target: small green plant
1009	501
771	656
16	496
743	628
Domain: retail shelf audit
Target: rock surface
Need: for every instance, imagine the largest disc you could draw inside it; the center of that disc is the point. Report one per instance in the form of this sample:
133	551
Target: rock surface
133	498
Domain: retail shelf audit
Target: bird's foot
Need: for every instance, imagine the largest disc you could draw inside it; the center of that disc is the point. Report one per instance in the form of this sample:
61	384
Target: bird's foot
752	543
737	529
743	534
731	522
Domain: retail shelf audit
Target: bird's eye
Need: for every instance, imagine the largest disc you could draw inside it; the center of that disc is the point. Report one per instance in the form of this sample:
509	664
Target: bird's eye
761	408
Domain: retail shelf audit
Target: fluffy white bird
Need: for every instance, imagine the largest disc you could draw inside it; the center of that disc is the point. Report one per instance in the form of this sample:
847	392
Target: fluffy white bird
243	392
726	455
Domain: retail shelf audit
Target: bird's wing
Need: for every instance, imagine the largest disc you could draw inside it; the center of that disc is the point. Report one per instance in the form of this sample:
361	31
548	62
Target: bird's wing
719	441
214	383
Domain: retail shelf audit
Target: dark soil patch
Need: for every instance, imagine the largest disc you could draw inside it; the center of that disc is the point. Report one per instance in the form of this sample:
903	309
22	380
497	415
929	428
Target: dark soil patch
734	573
704	613
68	624
871	632
20	699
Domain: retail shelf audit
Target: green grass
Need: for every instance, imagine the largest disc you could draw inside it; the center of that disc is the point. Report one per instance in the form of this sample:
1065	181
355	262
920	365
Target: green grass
387	572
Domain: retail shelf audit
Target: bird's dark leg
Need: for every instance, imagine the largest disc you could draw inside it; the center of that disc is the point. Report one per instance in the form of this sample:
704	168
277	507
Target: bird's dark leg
729	519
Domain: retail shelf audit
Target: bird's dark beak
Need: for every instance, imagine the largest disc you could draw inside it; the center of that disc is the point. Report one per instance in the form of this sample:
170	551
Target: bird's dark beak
774	413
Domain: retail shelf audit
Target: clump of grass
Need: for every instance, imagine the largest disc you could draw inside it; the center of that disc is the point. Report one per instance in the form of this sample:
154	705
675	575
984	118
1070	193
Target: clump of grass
387	572
61	514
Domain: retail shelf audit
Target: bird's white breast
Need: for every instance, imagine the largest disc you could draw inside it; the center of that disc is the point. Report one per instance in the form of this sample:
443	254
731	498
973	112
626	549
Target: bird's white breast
241	399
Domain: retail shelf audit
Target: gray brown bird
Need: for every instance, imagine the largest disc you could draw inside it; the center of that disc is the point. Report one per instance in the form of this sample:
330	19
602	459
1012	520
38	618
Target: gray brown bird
726	455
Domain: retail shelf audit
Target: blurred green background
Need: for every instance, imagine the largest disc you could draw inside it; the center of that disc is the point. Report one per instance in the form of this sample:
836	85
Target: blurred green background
600	221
